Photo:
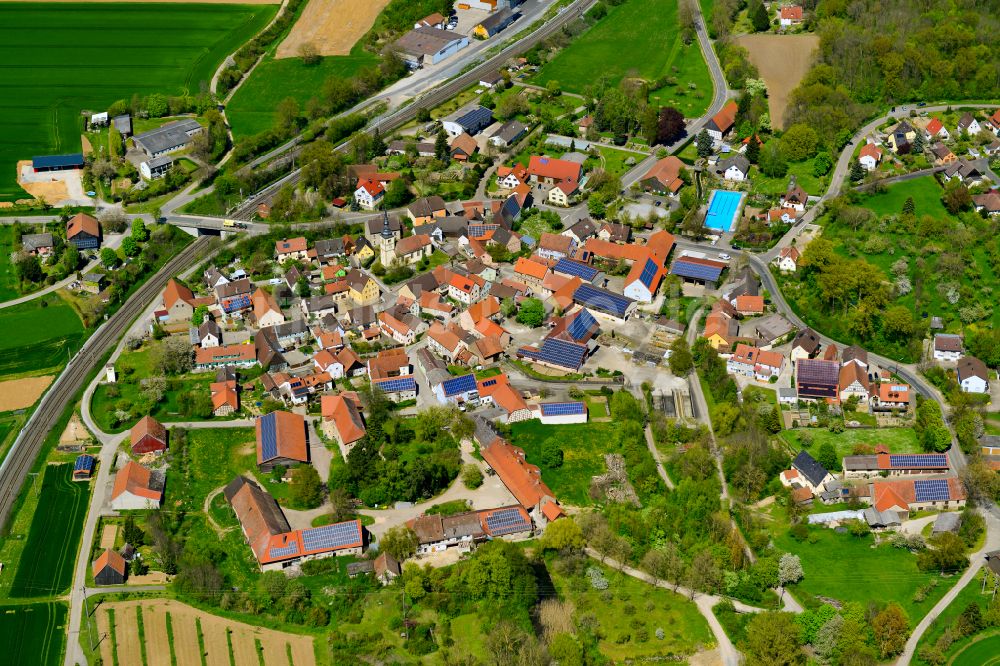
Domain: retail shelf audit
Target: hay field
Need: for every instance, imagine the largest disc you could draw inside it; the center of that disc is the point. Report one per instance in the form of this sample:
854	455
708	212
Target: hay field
332	26
782	61
188	625
59	59
22	393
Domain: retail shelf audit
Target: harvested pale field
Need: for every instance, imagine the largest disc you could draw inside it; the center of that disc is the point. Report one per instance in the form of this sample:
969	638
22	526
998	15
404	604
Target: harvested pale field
186	651
185	632
782	61
244	648
127	636
154	624
332	26
22	393
213	629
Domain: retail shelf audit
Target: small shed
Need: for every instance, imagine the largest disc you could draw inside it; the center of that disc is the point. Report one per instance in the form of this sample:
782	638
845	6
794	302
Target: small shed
109	568
355	569
946	522
83	468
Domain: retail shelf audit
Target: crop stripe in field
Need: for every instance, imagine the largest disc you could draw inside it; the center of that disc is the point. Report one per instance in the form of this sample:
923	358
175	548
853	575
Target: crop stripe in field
201	642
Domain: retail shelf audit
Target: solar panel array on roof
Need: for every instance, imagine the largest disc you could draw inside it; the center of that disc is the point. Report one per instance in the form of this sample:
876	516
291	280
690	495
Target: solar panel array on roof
457	385
476	119
337	535
529	353
85	463
581	325
506	521
590	296
237	303
490	382
899	388
269	436
575	269
919	460
695	271
648	272
397	384
286	551
563	353
932	490
562	408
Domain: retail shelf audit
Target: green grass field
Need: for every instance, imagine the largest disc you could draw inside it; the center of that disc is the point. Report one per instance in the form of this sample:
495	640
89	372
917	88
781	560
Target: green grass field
636	39
583	445
982	652
32	634
899	440
214	457
926	195
38	337
58	59
8	279
251	110
52	542
652	608
847	568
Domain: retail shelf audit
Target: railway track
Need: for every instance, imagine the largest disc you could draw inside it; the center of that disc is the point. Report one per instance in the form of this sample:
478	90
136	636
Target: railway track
394	119
26	448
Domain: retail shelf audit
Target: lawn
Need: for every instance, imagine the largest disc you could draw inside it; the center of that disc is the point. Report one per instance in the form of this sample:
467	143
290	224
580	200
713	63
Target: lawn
52	542
970	594
583	446
33	633
614	161
210	459
252	107
630	615
38	334
926	195
984	651
848	568
8	278
59	59
801	171
639	38
899	440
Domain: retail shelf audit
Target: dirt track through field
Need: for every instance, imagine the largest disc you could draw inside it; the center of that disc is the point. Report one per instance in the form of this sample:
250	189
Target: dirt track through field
154	624
782	61
332	26
185	637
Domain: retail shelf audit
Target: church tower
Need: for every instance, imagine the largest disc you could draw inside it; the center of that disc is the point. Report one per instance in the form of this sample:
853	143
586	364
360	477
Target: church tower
387	242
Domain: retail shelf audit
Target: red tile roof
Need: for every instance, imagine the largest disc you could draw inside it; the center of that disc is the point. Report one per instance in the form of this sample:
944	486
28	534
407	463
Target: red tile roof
530	268
237	353
560	171
345	417
135	479
725	118
147	425
793	13
290	245
174	292
81	222
889	493
521	478
224	393
290	434
746	303
109	558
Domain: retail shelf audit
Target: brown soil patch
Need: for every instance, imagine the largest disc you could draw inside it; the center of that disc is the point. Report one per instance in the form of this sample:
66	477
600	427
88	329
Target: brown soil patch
152	578
85	144
154	624
52	191
108	535
22	393
782	61
332	26
75	431
185	645
127	636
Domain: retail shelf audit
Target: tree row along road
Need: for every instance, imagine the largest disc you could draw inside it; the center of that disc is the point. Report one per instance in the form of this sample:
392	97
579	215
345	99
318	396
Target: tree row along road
394	119
71	381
